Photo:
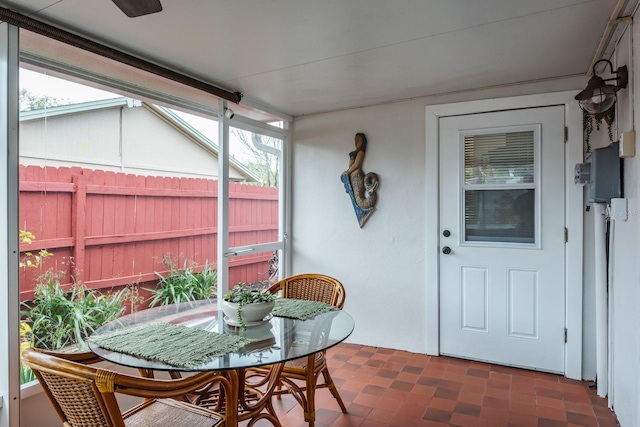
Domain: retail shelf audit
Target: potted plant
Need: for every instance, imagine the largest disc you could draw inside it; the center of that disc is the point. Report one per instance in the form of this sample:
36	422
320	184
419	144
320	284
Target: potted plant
242	305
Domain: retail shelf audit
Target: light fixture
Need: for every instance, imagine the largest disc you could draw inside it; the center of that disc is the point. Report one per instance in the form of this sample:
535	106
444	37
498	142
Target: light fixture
599	96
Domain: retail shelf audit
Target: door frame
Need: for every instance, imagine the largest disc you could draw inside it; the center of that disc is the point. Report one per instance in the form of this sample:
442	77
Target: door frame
573	204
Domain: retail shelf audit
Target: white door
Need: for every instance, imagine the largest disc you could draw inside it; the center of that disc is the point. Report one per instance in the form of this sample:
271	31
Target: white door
502	237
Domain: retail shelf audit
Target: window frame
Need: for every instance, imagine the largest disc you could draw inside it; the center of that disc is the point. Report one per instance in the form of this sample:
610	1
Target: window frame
9	294
225	252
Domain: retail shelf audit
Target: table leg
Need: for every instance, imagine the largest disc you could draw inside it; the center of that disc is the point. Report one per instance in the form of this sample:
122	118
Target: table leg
230	394
254	410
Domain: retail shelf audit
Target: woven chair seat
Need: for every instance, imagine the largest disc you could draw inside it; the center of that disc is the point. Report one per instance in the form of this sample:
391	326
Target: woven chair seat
168	412
300	365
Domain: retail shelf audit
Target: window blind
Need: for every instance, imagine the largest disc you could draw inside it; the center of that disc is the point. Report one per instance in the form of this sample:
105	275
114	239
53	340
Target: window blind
499	158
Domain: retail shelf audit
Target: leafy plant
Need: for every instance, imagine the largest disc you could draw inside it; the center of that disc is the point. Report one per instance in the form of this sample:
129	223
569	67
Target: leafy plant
26	341
31	260
26	374
183	284
242	296
60	318
587	124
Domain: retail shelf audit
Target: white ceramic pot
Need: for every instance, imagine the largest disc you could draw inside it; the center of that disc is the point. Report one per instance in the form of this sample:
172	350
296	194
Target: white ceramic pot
251	313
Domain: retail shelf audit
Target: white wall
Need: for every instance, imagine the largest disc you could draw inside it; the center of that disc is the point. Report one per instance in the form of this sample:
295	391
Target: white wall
624	289
382	265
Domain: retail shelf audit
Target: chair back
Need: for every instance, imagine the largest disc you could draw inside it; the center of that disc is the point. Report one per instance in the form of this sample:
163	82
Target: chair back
312	287
85	396
75	390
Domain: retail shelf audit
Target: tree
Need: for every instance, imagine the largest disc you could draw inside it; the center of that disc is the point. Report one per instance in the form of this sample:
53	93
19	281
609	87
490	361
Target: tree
31	101
263	154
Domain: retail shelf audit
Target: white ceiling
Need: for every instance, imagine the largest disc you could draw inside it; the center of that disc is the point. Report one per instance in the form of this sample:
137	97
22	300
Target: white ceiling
308	56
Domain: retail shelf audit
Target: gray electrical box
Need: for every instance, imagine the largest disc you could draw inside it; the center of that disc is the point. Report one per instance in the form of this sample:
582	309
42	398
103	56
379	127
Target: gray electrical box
582	173
605	179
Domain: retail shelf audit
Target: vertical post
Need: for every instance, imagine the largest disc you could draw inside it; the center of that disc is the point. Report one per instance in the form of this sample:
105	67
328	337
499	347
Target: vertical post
285	204
9	249
223	199
78	225
602	339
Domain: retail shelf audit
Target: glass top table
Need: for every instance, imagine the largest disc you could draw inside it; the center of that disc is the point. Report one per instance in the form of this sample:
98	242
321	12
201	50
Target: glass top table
276	340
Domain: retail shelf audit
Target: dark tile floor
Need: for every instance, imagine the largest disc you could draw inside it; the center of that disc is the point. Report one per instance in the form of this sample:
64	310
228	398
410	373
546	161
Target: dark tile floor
383	387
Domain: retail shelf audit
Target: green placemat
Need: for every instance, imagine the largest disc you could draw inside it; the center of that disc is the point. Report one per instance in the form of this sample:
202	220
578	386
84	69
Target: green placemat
300	309
173	345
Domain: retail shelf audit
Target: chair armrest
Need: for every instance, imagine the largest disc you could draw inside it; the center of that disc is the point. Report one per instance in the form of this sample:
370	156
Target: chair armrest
157	388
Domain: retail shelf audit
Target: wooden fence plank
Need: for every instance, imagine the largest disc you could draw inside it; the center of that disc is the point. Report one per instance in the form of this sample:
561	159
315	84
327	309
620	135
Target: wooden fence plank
108	226
95	213
130	226
119	226
174	209
78	221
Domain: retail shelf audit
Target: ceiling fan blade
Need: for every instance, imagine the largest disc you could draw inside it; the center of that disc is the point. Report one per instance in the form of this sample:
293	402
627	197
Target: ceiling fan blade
135	8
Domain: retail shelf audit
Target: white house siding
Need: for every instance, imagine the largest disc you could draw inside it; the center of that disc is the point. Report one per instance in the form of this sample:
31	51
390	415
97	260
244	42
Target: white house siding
151	144
131	140
381	265
87	138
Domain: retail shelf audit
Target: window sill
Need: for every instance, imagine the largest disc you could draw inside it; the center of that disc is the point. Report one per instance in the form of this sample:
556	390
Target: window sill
30	389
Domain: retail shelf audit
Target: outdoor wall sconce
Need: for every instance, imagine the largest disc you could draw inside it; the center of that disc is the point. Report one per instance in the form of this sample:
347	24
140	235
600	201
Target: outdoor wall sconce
599	96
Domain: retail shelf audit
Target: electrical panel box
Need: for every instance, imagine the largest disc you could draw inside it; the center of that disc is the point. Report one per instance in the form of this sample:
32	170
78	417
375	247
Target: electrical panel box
605	179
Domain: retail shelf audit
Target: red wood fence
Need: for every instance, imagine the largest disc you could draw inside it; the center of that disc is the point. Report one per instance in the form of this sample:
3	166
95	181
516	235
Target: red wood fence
110	229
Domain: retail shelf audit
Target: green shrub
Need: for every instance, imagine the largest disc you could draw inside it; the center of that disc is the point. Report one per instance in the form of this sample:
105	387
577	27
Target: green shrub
60	318
182	284
26	341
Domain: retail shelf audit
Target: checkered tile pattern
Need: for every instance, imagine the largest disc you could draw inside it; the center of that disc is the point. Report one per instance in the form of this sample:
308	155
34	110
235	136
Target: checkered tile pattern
384	387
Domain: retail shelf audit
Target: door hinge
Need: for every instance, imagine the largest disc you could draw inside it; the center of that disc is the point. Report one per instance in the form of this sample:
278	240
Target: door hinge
566	134
566	234
565	334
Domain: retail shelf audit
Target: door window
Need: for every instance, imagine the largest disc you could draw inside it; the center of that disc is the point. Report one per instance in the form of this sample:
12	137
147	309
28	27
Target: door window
500	186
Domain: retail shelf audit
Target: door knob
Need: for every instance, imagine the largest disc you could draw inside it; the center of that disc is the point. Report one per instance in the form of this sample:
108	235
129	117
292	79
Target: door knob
446	250
446	233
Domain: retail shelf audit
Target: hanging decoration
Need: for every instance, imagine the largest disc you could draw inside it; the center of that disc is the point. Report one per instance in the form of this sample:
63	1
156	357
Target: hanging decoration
359	186
588	120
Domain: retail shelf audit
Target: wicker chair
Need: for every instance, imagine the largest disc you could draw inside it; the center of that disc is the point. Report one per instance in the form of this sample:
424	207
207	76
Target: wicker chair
85	396
315	287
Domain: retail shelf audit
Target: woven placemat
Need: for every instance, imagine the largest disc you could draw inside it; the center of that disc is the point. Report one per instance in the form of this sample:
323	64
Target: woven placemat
173	345
300	309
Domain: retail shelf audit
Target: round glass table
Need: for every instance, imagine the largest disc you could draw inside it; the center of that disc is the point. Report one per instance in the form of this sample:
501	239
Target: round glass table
274	341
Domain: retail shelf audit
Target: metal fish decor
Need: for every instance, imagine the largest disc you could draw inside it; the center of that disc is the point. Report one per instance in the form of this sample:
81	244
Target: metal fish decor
360	187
